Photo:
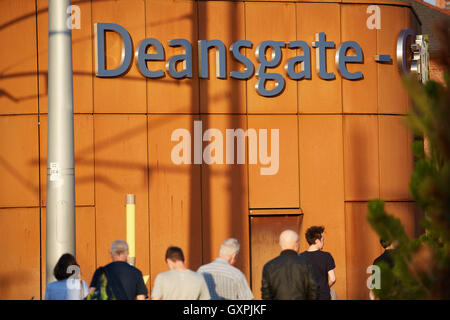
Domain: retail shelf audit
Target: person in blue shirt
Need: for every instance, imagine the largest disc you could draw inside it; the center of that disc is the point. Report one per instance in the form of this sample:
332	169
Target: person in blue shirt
68	286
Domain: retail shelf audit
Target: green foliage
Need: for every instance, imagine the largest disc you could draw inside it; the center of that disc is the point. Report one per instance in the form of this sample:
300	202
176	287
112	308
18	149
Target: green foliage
422	265
400	282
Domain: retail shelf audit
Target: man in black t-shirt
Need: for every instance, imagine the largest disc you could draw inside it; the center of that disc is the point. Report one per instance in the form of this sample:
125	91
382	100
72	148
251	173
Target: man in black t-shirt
125	281
322	262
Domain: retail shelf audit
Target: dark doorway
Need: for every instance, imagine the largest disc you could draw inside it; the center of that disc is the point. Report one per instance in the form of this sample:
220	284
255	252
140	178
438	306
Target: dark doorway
264	235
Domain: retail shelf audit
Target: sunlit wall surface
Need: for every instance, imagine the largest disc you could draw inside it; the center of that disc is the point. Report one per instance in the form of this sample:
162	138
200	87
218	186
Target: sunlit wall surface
341	142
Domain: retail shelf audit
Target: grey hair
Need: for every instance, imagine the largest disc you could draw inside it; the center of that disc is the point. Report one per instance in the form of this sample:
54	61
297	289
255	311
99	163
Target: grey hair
119	247
228	247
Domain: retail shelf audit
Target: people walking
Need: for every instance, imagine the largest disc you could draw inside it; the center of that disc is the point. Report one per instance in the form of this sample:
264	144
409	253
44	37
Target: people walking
125	282
226	282
322	262
68	285
179	283
288	276
384	258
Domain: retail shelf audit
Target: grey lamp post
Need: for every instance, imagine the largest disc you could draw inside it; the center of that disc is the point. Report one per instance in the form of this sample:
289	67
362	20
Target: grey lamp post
60	150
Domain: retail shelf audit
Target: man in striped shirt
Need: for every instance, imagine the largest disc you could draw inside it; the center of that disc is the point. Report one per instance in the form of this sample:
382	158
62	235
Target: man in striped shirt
226	282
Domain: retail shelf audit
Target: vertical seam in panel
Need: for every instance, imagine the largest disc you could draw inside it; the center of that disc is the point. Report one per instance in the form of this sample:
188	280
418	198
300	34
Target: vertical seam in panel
407	19
378	117
39	151
246	119
148	155
342	107
298	113
197	23
379	162
298	159
93	140
249	218
346	251
146	79
377	65
342	110
297	52
340	40
343	161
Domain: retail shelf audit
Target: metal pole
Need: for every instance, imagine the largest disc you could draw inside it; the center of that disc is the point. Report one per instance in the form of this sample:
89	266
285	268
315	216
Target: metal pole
60	150
131	228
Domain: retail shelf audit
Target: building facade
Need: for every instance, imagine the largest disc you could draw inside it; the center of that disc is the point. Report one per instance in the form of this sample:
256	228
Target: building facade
341	142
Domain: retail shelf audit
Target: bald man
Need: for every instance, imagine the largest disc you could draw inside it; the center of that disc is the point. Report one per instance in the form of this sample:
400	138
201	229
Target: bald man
288	276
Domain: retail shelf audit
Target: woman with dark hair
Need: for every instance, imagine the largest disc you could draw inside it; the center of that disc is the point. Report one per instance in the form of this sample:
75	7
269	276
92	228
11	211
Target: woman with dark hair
68	285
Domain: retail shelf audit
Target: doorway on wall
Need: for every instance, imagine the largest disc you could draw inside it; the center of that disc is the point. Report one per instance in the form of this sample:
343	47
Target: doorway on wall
265	231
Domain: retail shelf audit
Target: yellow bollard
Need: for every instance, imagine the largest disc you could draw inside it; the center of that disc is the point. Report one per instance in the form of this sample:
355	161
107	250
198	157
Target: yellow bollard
131	228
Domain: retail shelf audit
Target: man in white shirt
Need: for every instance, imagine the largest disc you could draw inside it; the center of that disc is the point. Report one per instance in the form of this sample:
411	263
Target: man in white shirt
179	283
226	282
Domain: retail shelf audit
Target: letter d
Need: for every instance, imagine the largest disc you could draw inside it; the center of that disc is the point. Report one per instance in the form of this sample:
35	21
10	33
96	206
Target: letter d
127	50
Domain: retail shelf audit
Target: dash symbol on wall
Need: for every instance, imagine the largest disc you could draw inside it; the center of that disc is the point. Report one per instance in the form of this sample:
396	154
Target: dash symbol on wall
383	58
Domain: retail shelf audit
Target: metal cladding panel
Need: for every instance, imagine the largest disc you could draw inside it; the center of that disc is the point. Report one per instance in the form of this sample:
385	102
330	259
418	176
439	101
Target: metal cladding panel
362	246
361	163
224	21
396	158
279	186
18	67
84	158
282	27
225	198
120	143
125	94
392	96
167	20
85	246
321	173
317	95
175	195
359	96
407	213
265	235
20	267
19	167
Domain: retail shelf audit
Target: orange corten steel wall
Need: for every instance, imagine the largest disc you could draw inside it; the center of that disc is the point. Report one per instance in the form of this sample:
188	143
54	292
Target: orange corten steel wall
342	142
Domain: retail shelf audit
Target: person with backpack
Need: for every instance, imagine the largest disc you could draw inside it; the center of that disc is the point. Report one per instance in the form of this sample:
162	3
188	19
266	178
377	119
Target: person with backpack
118	280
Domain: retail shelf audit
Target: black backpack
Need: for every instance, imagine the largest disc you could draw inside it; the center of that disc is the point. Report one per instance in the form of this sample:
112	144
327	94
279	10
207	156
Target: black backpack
103	291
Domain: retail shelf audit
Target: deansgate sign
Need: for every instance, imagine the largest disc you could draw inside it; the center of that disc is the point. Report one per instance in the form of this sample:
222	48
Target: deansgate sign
262	74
